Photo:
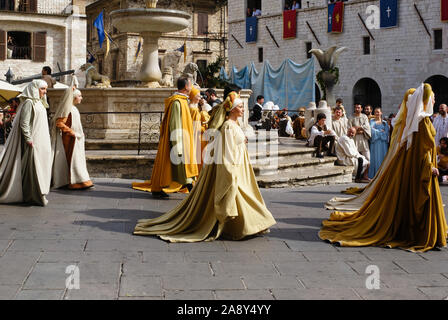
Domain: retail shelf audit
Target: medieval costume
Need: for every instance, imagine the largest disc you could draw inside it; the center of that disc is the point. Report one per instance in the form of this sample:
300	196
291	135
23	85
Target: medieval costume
379	144
226	200
362	139
175	164
68	144
402	207
25	163
340	127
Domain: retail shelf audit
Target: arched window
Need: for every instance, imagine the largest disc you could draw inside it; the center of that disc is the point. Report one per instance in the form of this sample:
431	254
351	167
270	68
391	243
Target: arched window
366	91
439	85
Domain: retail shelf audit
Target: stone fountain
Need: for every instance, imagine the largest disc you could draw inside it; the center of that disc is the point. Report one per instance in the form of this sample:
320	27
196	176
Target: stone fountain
150	23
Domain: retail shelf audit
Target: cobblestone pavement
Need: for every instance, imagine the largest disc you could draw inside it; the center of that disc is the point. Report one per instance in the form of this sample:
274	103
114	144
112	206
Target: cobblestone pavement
92	230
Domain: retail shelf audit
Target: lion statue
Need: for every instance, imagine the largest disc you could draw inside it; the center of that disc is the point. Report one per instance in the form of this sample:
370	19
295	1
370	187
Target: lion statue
93	78
167	78
191	71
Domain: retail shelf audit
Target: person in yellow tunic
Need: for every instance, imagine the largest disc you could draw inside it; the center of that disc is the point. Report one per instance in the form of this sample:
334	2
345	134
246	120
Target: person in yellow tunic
226	201
200	119
175	165
402	207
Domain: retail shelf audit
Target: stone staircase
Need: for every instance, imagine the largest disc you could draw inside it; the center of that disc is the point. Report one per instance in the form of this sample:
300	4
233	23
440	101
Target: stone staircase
291	163
277	162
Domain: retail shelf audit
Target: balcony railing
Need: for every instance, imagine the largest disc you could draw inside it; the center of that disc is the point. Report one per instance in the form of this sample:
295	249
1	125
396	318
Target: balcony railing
15	52
43	7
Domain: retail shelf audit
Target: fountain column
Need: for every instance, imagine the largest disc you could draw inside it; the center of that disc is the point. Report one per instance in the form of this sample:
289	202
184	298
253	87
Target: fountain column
150	73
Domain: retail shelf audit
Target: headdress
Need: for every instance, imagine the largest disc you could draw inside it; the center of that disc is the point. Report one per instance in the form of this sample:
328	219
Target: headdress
31	91
194	92
218	117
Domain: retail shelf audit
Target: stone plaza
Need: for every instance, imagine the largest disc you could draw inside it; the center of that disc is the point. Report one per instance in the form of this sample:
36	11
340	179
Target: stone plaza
92	230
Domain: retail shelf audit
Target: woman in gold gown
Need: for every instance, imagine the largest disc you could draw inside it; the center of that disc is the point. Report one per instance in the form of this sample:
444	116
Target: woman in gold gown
226	201
402	207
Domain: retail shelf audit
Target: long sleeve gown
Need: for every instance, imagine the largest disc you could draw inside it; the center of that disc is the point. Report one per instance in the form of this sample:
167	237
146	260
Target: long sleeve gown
225	202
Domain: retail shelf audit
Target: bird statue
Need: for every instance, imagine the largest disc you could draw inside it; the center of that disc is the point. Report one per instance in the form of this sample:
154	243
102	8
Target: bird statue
329	75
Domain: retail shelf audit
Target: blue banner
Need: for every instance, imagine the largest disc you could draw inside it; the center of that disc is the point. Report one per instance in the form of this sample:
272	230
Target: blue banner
290	86
389	13
251	29
330	16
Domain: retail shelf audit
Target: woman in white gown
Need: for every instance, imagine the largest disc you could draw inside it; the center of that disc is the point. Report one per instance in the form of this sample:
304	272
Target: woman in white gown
25	163
67	141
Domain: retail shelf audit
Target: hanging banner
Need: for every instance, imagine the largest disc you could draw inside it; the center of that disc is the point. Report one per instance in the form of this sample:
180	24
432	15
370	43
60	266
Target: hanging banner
389	13
291	85
335	17
289	24
251	29
444	10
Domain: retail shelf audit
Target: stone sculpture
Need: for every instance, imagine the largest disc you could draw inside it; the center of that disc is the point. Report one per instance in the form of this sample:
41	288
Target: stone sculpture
93	78
328	77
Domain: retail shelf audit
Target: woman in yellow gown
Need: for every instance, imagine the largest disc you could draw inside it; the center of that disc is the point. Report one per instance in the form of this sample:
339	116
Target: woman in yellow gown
402	207
226	200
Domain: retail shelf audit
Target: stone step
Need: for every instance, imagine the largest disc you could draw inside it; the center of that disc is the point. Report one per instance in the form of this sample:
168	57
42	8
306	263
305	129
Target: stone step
128	144
285	165
317	176
280	152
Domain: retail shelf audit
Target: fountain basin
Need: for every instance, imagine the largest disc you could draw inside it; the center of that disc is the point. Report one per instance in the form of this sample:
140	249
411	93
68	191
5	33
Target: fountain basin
142	20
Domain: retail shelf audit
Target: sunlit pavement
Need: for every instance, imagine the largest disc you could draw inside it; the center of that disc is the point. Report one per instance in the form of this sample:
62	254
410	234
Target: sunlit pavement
84	240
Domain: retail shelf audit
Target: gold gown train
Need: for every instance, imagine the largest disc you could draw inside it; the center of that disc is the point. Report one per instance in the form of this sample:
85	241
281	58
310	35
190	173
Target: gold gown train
404	208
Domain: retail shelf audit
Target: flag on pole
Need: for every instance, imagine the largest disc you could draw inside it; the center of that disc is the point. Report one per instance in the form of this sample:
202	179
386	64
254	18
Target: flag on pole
289	24
251	29
139	48
336	17
99	25
183	49
444	10
389	13
91	57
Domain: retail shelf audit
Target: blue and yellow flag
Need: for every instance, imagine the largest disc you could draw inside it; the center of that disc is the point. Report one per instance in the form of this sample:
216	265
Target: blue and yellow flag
99	25
139	48
183	49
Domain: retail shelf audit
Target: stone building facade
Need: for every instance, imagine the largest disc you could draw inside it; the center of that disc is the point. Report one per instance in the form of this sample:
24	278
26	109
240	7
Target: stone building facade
122	66
37	33
376	69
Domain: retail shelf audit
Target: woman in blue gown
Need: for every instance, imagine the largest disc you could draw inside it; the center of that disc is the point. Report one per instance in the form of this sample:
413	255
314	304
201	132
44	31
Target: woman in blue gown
379	142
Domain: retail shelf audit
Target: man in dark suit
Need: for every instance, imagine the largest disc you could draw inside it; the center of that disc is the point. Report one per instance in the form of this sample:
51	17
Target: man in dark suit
257	110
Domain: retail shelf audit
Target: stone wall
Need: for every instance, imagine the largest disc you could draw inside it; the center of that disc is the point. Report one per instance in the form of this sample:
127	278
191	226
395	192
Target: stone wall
400	58
65	41
124	126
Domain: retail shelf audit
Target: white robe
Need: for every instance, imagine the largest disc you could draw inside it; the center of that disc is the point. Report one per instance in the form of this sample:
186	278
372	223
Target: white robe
340	127
362	140
348	154
11	188
441	126
78	169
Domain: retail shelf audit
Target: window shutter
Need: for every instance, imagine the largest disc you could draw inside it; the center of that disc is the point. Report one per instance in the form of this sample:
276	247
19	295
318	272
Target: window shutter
39	44
33	5
202	23
2	45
